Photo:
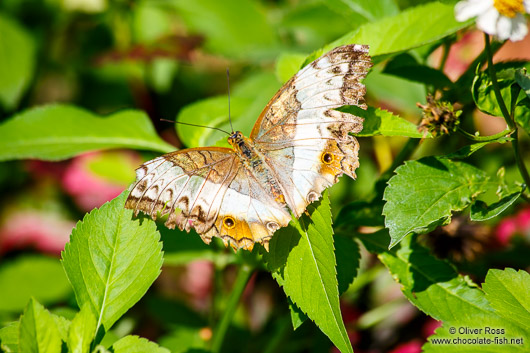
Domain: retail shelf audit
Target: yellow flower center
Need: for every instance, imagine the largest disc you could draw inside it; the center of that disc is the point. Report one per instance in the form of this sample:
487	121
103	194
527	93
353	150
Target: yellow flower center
509	8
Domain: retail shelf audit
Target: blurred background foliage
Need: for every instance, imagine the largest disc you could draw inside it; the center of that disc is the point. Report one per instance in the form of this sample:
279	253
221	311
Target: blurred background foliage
169	59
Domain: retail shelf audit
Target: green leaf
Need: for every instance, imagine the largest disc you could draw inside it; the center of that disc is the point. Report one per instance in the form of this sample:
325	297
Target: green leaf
348	260
38	331
56	132
522	114
468	150
297	315
369	10
361	213
288	64
424	193
480	211
523	80
111	260
226	31
82	331
17	62
484	94
382	122
63	325
247	100
9	337
302	260
405	66
29	276
429	283
135	344
409	29
508	292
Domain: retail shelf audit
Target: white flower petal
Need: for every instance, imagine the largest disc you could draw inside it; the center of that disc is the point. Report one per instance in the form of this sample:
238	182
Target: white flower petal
464	10
487	22
504	27
518	29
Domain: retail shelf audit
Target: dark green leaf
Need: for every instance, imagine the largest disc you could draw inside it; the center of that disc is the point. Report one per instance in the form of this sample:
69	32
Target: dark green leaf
135	344
297	315
38	331
382	122
17	61
82	331
523	80
406	67
302	260
9	337
480	211
424	193
57	132
361	213
29	276
348	259
111	260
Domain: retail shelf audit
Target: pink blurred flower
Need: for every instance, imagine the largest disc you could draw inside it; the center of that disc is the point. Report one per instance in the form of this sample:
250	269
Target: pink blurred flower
505	230
91	190
197	282
523	220
413	346
430	326
44	231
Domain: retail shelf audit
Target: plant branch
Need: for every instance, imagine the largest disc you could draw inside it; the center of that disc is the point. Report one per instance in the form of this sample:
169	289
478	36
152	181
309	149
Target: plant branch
239	286
485	138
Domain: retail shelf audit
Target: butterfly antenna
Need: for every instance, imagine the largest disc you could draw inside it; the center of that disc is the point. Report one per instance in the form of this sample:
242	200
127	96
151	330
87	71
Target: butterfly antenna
228	83
207	127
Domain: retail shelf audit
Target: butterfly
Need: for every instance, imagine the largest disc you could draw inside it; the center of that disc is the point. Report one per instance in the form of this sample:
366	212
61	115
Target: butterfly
299	146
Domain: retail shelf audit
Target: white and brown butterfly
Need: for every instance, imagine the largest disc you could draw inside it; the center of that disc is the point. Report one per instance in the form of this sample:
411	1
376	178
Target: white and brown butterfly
298	147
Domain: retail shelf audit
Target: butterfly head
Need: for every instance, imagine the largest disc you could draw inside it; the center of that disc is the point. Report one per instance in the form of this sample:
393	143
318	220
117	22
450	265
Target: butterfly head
236	138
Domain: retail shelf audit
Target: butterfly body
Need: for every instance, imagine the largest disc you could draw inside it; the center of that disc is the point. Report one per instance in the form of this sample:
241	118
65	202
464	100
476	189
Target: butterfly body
299	146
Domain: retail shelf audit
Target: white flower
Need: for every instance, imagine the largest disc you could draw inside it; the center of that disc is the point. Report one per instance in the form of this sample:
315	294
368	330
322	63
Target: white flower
502	18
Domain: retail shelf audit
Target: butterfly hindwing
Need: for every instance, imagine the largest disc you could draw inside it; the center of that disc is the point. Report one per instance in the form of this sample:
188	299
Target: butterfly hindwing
306	141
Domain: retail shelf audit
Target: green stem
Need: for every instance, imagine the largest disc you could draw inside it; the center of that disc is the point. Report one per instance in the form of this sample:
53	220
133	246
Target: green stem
403	155
496	88
485	138
239	286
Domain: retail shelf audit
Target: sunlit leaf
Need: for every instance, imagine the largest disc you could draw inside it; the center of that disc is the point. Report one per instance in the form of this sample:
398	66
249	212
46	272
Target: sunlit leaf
82	331
135	344
56	132
111	260
9	337
38	331
480	211
302	260
378	121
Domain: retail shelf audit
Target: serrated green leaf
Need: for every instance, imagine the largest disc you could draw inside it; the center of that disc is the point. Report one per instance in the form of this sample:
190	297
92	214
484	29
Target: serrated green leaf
63	325
82	331
348	259
225	30
9	337
522	114
480	211
429	283
378	121
29	276
135	344
409	29
17	61
111	260
297	315
508	292
468	150
523	80
424	193
56	132
302	261
37	330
